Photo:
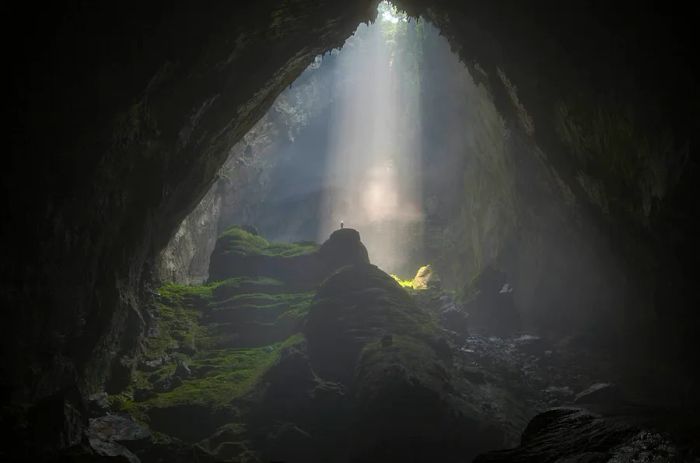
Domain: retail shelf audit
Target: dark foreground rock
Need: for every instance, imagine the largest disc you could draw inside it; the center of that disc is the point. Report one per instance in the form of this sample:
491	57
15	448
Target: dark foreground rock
401	390
575	435
110	435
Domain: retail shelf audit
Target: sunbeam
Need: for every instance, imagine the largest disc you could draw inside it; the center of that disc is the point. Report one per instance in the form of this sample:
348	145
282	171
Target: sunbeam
375	141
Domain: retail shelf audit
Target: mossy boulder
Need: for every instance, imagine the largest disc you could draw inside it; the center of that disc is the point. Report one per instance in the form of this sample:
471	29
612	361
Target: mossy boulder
367	333
239	252
354	307
257	367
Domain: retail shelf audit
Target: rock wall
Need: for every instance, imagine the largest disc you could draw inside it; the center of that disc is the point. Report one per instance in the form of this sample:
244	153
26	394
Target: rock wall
243	182
585	93
143	111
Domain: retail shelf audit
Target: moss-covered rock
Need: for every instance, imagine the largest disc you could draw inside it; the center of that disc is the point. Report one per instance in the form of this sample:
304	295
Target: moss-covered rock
367	333
209	348
354	307
249	368
239	252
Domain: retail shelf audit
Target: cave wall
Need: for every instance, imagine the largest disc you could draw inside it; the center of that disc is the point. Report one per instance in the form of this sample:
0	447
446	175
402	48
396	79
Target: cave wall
493	201
248	185
133	109
605	96
121	115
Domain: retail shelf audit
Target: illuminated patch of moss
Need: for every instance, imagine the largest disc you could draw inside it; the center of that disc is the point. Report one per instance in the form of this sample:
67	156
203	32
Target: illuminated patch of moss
239	241
404	283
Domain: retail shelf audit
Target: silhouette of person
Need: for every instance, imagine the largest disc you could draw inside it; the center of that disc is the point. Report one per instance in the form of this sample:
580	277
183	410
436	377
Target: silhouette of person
341	224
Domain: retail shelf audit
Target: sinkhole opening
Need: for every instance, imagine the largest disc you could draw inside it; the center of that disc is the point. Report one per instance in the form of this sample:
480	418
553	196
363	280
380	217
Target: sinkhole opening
380	135
273	334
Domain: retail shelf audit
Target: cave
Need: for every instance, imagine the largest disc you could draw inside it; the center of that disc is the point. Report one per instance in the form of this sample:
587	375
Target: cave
425	230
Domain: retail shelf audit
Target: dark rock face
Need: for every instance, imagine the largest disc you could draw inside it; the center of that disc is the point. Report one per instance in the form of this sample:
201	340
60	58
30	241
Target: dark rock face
568	434
573	84
343	248
57	422
106	435
130	162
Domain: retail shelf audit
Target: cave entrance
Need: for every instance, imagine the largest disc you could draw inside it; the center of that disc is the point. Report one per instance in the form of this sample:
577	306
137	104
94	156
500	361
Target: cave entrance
379	134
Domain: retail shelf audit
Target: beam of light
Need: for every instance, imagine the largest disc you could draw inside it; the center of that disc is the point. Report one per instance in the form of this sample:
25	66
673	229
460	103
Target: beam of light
372	180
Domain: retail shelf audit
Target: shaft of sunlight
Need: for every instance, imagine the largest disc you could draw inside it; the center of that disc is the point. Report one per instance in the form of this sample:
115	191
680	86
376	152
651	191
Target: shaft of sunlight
372	183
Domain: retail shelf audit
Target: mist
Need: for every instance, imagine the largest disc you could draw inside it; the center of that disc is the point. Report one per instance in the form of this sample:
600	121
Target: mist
358	154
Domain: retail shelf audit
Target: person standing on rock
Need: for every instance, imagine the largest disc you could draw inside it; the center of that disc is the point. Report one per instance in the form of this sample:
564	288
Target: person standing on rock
341	224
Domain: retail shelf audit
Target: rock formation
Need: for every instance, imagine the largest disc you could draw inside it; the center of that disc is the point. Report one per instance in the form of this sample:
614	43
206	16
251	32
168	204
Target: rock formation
121	115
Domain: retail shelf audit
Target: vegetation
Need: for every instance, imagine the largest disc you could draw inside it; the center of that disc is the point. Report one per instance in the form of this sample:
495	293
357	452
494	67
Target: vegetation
236	240
194	356
227	375
406	284
220	353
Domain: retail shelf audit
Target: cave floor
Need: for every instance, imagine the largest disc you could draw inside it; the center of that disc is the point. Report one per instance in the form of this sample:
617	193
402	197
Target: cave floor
271	364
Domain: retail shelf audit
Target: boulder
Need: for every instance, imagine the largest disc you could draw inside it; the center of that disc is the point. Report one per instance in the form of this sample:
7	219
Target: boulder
110	435
356	306
343	247
300	265
391	383
117	428
423	277
576	435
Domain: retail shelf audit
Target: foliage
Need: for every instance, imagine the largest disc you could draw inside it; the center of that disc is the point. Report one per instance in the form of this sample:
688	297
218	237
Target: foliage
404	283
239	241
230	374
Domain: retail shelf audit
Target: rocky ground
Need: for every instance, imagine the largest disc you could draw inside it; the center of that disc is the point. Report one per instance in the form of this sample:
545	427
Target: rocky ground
300	353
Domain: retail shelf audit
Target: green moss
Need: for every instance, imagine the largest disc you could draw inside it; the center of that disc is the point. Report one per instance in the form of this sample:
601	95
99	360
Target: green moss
406	284
231	373
238	285
238	241
265	301
204	326
177	294
364	298
177	327
411	354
